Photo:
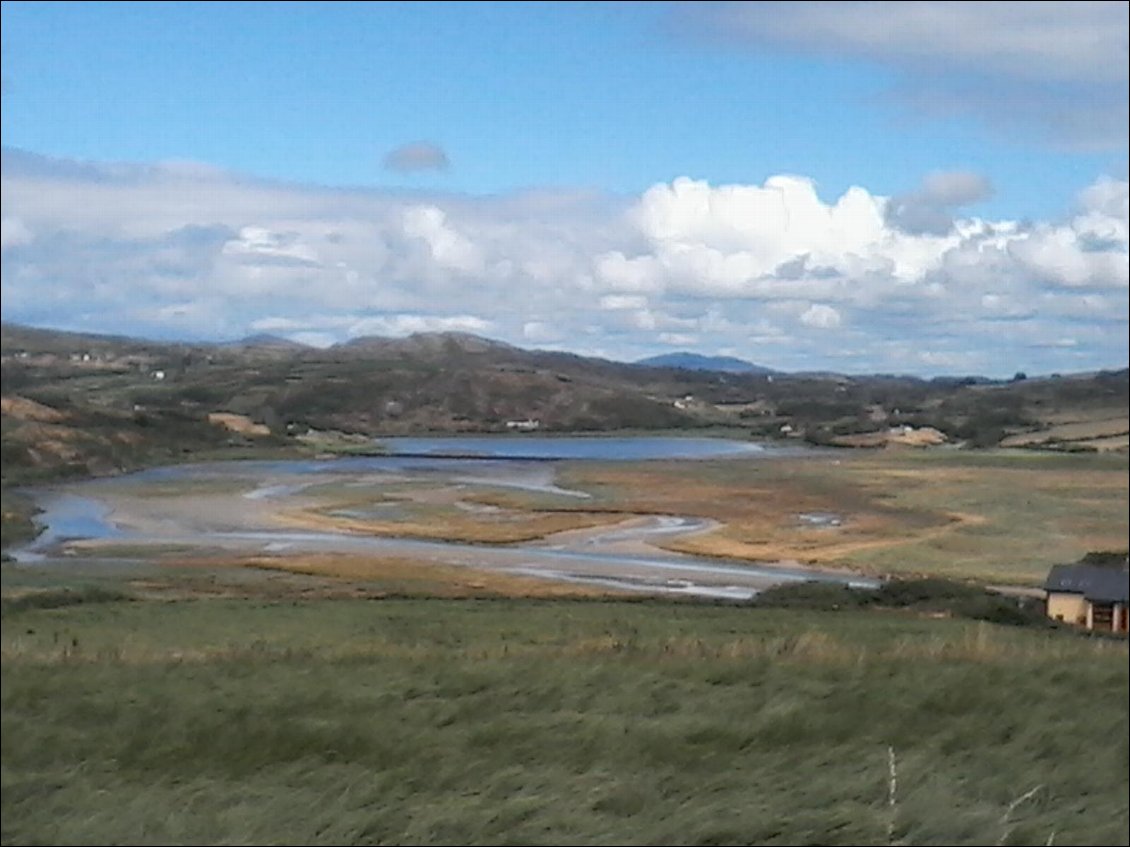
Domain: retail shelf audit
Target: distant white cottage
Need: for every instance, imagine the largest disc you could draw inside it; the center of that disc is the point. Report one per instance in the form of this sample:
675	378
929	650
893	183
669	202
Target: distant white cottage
523	426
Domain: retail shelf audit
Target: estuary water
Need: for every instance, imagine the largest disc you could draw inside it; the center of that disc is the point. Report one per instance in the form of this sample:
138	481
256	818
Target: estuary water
593	448
239	506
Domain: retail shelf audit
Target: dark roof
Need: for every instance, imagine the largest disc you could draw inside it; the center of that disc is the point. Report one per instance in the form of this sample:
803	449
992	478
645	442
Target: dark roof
1104	585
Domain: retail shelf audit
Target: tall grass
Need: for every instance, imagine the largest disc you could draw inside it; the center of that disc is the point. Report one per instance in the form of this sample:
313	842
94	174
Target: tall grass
526	722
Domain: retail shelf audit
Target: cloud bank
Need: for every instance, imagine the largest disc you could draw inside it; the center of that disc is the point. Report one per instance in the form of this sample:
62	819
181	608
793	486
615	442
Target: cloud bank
772	272
1055	68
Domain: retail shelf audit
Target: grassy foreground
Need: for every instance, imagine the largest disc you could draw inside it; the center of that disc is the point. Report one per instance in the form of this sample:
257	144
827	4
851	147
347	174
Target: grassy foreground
431	721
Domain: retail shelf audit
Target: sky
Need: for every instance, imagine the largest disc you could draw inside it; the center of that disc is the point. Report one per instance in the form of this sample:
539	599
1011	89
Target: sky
900	187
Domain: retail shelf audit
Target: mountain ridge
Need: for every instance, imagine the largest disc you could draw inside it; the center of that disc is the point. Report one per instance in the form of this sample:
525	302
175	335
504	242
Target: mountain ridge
102	404
687	360
15	336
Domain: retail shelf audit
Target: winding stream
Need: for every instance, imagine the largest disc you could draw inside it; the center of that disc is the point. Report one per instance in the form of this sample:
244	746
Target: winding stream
236	506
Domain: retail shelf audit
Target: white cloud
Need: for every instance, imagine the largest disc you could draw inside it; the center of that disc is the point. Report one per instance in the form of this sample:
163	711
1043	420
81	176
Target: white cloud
619	273
771	272
678	339
541	332
397	325
820	316
257	243
614	302
449	247
13	233
349	326
1104	209
778	239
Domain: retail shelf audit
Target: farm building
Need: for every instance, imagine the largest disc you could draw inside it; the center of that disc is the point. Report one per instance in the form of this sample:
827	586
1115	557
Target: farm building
1089	595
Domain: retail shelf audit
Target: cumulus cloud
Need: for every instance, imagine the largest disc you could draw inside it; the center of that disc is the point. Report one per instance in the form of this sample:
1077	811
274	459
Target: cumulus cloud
771	272
418	156
820	316
1059	67
449	248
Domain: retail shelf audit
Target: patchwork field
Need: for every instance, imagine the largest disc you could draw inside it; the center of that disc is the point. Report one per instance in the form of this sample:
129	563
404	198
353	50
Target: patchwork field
1096	432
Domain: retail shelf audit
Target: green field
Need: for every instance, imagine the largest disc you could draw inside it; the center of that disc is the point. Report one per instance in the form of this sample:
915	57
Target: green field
510	721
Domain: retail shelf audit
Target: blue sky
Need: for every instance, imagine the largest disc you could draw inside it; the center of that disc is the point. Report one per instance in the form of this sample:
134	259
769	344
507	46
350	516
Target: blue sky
437	165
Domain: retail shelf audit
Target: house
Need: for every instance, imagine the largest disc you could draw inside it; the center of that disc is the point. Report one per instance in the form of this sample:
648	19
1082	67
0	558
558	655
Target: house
1089	595
523	426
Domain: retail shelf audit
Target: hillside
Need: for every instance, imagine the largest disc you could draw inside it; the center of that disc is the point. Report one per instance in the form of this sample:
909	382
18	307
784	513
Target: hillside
86	404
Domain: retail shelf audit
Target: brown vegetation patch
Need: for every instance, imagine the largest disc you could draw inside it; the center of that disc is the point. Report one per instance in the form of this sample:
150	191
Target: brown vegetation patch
23	409
456	526
908	436
404	575
337	576
238	423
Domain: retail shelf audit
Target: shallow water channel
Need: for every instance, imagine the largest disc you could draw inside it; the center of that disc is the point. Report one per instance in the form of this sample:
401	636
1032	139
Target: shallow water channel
242	506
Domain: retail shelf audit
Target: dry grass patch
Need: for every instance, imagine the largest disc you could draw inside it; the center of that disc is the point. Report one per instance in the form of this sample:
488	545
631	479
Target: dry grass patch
449	524
404	575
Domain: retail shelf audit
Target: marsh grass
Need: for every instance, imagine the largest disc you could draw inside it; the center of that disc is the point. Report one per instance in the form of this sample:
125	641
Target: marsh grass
405	576
56	598
450	524
550	722
997	516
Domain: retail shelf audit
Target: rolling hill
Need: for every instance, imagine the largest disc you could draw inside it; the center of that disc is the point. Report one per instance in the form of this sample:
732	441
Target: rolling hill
82	404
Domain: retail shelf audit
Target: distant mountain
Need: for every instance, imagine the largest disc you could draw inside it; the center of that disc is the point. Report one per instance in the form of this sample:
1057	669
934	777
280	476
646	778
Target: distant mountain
695	362
427	343
266	340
